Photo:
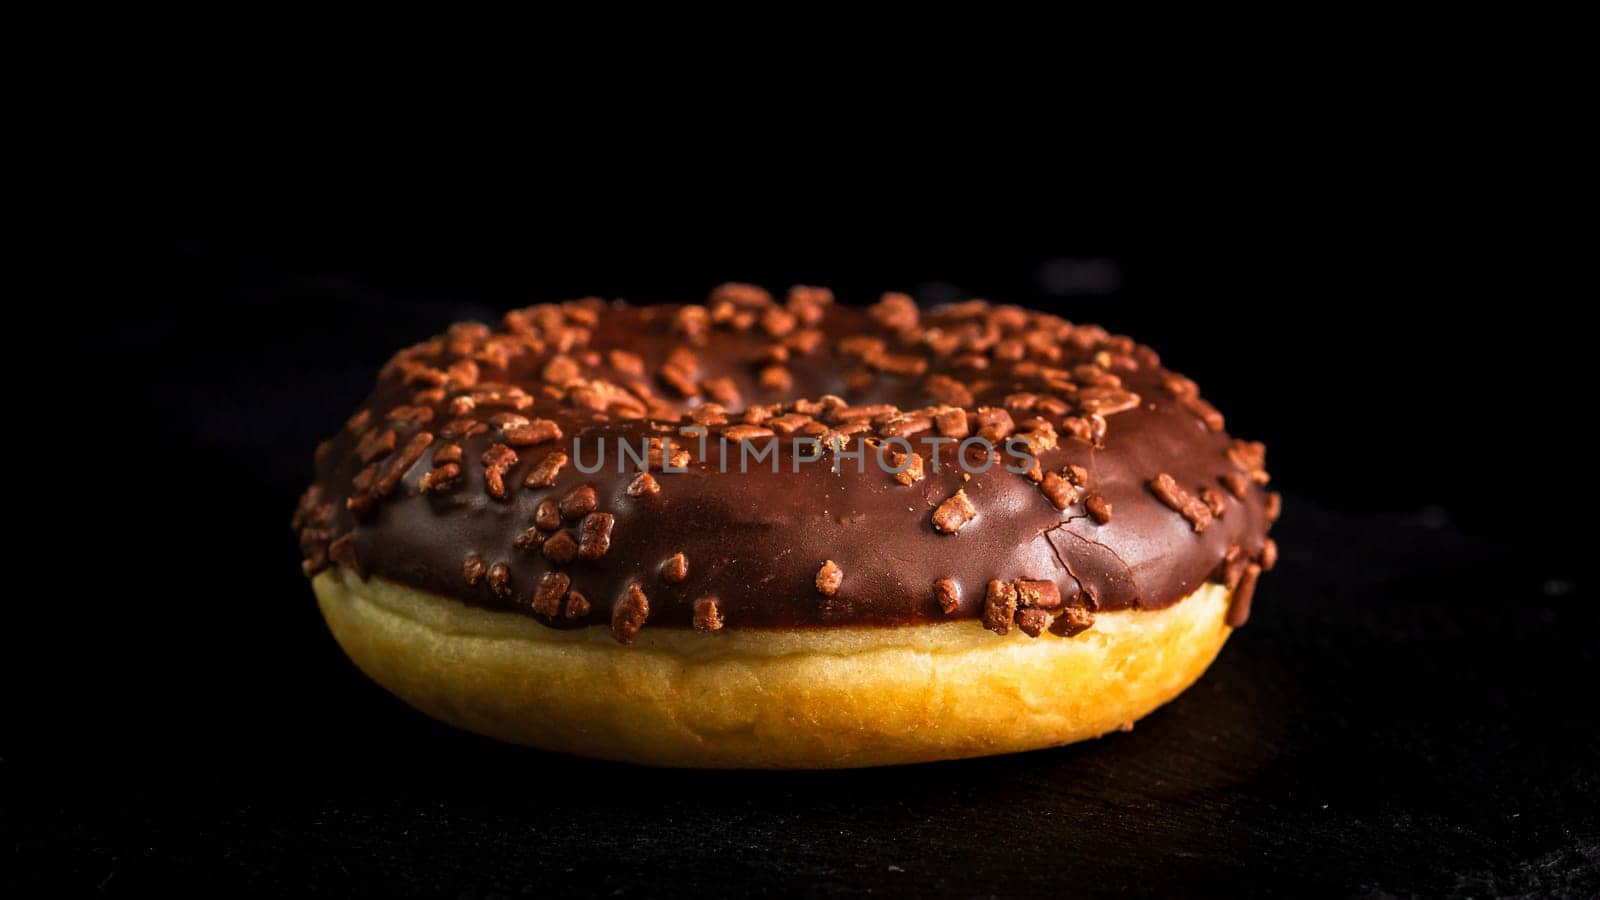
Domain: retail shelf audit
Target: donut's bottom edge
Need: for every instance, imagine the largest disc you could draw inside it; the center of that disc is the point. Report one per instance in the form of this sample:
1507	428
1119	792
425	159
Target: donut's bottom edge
813	699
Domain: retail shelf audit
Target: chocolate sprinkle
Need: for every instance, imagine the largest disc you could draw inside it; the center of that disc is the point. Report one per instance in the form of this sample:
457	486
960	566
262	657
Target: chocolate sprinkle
473	570
529	539
539	431
1073	621
375	445
1058	490
1033	621
544	472
1191	508
706	615
953	513
560	548
547	597
548	515
500	580
1239	609
829	577
1098	508
343	551
999	606
1043	594
629	615
676	569
496	460
579	502
594	535
643	485
440	480
952	423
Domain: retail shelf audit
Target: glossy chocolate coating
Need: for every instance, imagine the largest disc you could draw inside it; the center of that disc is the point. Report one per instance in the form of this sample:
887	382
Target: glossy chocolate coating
755	539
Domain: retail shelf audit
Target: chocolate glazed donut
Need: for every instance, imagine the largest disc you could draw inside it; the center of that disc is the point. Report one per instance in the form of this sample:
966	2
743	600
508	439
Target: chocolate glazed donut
766	473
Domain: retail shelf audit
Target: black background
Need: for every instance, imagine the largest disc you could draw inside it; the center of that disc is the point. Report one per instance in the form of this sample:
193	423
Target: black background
1409	710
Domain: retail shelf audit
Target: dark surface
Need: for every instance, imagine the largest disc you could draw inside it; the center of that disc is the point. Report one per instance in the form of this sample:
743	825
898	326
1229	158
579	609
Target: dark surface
1409	710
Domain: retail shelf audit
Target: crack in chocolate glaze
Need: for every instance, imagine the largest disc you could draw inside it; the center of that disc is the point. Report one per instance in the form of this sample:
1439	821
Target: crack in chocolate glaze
556	383
1045	534
1094	595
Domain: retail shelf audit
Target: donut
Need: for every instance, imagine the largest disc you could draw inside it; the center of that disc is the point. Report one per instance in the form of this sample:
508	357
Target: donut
784	533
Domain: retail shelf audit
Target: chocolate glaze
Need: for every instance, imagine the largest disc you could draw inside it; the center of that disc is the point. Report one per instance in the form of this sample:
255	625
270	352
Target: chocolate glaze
755	540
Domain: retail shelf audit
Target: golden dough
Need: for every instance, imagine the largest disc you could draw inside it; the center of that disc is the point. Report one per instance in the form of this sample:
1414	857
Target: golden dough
794	699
